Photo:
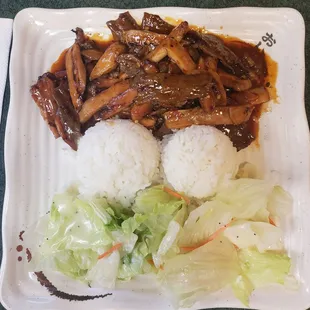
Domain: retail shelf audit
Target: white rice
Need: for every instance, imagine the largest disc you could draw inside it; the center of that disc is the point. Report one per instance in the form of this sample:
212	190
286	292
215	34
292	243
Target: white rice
116	159
197	159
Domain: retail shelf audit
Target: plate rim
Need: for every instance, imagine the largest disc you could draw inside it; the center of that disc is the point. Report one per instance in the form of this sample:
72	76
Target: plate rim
295	14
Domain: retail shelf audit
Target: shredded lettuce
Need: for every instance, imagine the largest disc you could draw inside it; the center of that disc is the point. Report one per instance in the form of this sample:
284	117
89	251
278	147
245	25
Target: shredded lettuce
263	236
226	241
204	221
279	205
246	196
243	288
79	231
204	270
169	244
264	268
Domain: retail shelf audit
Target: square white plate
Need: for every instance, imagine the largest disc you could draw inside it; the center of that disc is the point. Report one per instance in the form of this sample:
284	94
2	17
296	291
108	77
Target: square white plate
35	168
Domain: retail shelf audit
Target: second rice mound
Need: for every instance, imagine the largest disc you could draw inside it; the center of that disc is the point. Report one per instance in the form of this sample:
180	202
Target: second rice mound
198	159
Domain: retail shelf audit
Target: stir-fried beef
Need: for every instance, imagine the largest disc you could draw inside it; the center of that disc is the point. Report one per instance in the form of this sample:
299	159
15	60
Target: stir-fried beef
162	76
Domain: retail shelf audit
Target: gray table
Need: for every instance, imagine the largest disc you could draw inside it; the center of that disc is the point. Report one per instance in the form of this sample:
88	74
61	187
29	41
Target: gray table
9	8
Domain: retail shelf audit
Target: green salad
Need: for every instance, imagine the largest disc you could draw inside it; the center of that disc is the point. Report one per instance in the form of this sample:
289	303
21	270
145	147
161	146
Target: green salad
194	247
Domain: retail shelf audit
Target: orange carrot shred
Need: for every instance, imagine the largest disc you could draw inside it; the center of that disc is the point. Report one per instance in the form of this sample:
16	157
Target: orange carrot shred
176	194
189	248
151	262
272	222
210	238
110	251
236	247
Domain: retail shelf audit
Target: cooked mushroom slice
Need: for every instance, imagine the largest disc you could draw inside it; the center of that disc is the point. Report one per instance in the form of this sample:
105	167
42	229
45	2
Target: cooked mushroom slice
42	94
142	37
154	23
138	111
179	31
252	96
76	73
124	22
92	54
208	102
157	54
94	104
234	82
234	115
96	86
179	55
67	119
117	104
105	82
107	61
176	34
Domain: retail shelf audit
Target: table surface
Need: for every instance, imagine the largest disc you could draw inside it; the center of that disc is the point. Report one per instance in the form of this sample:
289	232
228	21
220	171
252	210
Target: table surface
9	9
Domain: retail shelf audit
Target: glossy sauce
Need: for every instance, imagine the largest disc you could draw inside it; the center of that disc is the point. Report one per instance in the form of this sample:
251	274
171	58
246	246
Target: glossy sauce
101	44
241	135
60	63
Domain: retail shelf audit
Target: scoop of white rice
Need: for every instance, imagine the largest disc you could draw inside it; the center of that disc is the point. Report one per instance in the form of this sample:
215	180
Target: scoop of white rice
116	159
197	159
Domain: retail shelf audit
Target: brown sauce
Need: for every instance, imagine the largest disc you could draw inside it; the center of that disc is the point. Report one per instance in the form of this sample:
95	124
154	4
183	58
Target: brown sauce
19	248
62	295
20	236
29	255
101	44
60	63
271	78
266	68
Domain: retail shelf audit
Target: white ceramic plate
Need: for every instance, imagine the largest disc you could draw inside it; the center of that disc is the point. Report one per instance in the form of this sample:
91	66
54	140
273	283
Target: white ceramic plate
35	168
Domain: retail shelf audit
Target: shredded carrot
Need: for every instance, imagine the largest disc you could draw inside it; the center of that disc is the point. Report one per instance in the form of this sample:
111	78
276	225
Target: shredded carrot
110	251
176	194
272	222
189	248
151	262
236	247
210	238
